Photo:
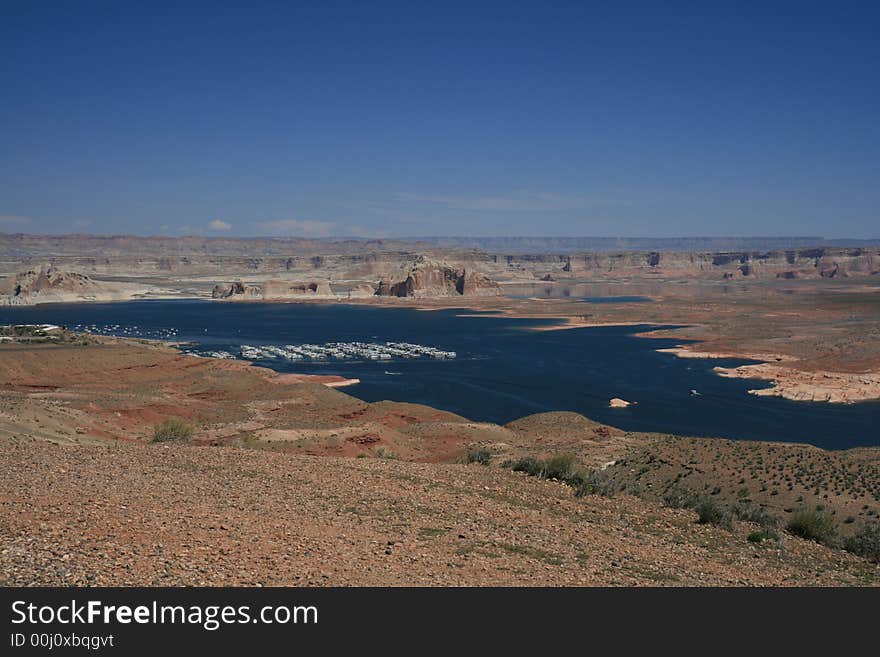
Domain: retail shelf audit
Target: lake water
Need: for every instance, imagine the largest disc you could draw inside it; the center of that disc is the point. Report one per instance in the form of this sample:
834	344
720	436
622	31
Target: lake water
503	371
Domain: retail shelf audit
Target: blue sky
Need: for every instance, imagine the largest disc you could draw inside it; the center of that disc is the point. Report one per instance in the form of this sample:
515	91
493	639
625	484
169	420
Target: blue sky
402	119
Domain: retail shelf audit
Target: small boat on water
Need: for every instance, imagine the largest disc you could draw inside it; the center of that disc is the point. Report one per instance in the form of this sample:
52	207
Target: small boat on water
393	373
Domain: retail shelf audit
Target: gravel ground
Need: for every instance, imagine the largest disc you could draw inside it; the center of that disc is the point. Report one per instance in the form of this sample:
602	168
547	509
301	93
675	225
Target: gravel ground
175	515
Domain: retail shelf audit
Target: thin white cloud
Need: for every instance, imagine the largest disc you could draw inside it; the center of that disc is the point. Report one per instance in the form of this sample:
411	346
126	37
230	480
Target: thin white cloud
515	202
220	225
297	228
14	220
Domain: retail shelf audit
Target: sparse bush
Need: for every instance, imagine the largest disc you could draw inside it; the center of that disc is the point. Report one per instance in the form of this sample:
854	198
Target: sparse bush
383	453
765	534
865	542
813	525
479	455
751	512
563	467
680	498
712	513
559	467
591	483
172	429
579	480
528	464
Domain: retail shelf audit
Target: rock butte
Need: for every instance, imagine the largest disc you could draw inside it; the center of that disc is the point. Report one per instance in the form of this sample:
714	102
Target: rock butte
49	284
429	278
273	289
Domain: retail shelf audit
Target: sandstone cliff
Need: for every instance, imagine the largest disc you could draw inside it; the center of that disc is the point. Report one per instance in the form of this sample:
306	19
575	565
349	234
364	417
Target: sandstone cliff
804	263
366	266
273	289
362	290
237	290
429	278
49	284
278	289
197	260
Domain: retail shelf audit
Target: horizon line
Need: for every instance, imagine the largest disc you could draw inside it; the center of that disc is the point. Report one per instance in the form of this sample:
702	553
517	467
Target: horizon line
439	237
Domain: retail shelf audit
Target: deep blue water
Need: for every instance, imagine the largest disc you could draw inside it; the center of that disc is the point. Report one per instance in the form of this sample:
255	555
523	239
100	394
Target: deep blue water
503	371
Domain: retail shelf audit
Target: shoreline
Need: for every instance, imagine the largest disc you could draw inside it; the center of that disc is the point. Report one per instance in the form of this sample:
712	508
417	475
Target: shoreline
791	383
798	385
819	386
686	352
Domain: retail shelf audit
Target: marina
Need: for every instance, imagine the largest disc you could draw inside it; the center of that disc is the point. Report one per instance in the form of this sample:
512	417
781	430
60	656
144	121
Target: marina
127	331
341	351
354	350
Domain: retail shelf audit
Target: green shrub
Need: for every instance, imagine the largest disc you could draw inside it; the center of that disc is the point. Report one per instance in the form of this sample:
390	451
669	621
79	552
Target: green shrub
172	429
591	483
579	480
712	513
556	467
865	542
528	464
383	453
479	455
559	467
762	535
751	512
813	525
563	467
680	498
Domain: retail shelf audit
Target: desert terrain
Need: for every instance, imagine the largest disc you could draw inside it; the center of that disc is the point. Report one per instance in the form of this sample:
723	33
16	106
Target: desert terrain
286	479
